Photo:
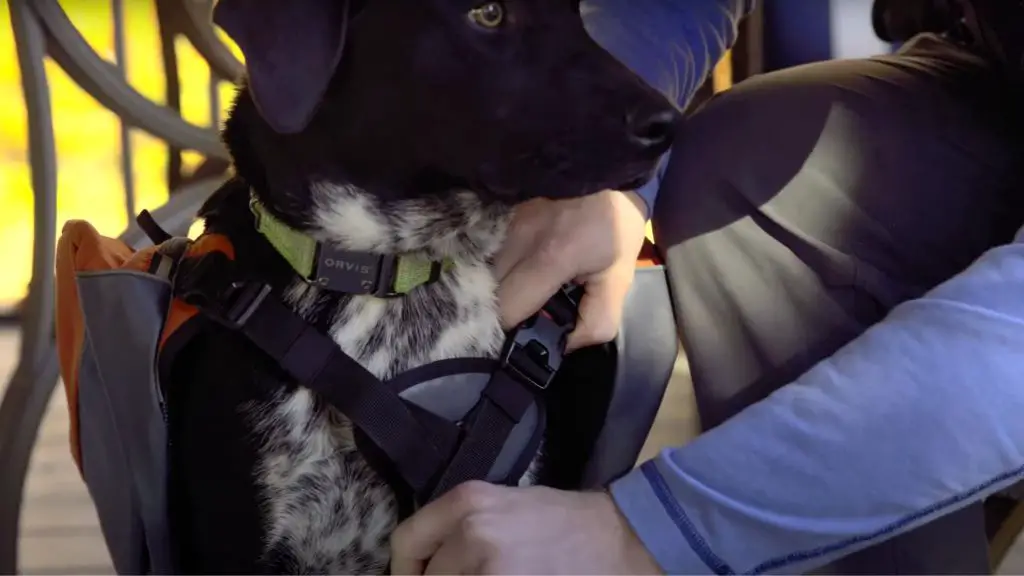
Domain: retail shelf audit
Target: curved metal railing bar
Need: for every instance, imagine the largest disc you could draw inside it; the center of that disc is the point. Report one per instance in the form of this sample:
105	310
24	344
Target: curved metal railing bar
193	22
28	392
100	79
42	29
191	19
172	87
127	151
177	215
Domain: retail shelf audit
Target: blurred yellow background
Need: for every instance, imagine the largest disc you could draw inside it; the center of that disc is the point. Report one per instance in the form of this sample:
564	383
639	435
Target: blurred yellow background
87	135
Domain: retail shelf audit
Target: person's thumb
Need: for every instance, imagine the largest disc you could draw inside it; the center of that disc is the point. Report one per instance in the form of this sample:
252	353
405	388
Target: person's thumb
600	311
529	285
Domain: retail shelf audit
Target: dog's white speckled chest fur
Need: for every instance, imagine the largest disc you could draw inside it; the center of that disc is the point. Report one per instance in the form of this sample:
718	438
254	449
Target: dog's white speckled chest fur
327	510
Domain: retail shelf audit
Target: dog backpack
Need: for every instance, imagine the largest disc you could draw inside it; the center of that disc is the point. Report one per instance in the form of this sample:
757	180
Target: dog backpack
122	314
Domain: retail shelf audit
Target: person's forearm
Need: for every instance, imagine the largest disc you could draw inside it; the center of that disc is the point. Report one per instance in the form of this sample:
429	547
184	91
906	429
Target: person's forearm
921	415
672	44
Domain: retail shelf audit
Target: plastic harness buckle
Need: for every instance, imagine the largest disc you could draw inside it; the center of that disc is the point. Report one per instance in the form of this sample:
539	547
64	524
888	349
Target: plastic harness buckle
230	303
240	301
526	356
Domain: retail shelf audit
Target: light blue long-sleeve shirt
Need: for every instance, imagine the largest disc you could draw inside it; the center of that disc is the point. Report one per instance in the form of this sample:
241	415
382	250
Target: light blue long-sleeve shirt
921	415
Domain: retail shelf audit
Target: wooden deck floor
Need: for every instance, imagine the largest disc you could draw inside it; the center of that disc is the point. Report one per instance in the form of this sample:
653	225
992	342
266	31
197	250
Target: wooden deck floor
59	530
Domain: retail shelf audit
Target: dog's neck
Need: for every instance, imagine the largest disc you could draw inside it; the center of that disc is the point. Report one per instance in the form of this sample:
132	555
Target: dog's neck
305	188
456	316
455	226
310	189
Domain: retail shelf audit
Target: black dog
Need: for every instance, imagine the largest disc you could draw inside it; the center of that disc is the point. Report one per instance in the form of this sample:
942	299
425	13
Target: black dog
385	126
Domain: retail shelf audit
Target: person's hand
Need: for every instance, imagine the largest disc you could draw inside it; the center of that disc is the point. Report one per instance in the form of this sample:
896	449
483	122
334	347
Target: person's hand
593	240
479	528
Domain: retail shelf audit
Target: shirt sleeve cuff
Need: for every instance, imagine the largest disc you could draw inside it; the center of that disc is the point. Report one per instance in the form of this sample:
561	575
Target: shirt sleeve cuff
639	502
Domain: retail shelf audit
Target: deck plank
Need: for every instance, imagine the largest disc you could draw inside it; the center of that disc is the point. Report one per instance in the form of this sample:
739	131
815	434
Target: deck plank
60	533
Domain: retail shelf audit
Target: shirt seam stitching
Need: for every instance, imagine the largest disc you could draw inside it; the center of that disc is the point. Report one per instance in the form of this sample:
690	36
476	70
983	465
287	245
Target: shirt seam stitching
678	516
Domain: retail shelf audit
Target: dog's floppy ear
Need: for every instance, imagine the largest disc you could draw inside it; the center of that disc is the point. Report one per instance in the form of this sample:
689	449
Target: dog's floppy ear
291	49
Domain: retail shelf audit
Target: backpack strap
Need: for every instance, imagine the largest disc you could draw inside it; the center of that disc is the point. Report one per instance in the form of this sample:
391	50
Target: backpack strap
152	228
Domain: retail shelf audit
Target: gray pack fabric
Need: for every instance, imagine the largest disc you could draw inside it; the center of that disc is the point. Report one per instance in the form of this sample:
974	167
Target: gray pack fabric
122	433
432	395
647	349
122	424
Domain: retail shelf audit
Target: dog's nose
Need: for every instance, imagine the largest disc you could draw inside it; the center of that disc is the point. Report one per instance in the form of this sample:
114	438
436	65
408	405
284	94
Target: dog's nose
653	131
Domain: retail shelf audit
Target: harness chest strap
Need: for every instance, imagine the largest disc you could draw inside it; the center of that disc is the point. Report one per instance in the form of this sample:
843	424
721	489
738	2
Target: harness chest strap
316	362
526	369
418	444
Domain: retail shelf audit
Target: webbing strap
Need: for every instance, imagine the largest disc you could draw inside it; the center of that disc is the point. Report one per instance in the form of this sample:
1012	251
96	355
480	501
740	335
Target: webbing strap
503	403
152	228
417	451
531	358
316	362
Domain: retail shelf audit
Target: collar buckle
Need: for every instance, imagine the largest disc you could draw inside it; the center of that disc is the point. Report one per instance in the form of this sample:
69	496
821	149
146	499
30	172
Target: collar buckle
385	285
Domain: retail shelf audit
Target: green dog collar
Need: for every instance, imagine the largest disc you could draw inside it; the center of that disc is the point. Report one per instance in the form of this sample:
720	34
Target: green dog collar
343	270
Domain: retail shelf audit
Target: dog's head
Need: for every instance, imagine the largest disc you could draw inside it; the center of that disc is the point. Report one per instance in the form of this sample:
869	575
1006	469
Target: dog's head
511	99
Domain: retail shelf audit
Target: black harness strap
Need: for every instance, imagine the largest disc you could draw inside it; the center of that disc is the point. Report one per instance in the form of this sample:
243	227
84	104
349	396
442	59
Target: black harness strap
419	447
503	404
316	362
527	369
148	224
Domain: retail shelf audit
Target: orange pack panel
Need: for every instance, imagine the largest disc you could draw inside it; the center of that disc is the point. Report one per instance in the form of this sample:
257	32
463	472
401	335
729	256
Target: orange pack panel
180	311
82	249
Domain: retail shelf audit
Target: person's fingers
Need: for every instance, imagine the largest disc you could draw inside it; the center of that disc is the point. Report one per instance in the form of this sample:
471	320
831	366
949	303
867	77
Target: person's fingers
600	310
402	564
453	557
417	539
529	285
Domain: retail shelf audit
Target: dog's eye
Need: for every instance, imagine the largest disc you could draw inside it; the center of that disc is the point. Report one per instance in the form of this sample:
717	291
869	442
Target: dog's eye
489	15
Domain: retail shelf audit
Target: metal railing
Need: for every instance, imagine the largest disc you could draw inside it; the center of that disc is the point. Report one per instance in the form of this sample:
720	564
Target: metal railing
42	30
